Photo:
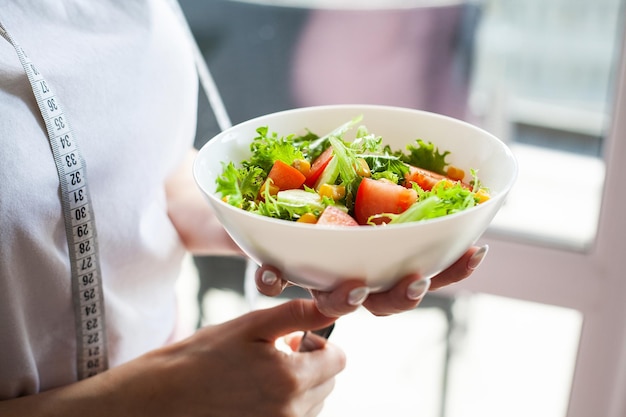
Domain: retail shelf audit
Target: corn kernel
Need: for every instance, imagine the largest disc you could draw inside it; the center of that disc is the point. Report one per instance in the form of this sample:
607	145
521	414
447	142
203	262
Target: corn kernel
336	192
454	173
445	183
362	169
482	195
303	166
273	189
307	218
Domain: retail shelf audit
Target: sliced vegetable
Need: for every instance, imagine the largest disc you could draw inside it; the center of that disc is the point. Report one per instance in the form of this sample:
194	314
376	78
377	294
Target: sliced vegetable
455	173
381	196
285	177
334	216
318	167
309	201
330	173
427	179
333	191
297	177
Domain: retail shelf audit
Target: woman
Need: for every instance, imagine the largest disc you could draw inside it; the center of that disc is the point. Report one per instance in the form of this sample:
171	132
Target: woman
124	74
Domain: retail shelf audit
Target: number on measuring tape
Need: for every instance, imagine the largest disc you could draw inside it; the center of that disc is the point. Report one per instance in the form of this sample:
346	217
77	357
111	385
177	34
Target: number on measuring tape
80	228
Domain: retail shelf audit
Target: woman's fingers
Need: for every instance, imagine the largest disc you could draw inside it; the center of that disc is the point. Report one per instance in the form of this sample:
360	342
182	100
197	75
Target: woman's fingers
351	294
344	299
268	281
405	295
462	268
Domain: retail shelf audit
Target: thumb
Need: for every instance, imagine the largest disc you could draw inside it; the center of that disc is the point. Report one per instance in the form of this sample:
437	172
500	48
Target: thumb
272	323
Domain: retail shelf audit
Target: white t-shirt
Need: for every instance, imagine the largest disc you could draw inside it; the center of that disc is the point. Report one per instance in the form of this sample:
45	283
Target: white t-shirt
124	73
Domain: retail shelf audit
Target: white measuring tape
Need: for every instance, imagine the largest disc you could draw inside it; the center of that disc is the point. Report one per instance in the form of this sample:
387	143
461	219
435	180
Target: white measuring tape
79	223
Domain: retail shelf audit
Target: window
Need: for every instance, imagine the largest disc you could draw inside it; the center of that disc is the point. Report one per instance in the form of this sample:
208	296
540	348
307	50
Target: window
540	74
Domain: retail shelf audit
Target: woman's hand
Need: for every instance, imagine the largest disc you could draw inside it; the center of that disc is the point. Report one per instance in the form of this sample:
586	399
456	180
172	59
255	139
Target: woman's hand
232	369
351	294
235	369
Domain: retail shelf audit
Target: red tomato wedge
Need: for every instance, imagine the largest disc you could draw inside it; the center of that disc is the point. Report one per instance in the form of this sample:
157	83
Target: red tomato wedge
425	178
333	216
286	177
318	167
380	196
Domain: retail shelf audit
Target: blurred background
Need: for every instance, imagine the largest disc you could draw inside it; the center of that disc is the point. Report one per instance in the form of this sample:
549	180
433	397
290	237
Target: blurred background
540	329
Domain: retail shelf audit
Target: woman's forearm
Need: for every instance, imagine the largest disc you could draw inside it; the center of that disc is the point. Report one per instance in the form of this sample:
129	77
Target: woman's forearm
197	225
91	397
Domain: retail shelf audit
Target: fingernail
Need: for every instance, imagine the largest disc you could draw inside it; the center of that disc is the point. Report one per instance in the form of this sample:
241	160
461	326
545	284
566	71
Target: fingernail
417	289
358	295
477	258
310	342
269	277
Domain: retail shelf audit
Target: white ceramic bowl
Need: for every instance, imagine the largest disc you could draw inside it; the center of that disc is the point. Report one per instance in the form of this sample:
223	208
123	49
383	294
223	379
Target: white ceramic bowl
321	257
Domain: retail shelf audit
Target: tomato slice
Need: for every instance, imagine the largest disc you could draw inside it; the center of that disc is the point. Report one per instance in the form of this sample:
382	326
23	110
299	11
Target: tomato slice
286	177
426	179
423	177
333	216
381	196
318	167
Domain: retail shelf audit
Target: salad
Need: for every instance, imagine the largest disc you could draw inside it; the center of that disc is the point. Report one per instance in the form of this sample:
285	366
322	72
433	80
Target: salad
328	180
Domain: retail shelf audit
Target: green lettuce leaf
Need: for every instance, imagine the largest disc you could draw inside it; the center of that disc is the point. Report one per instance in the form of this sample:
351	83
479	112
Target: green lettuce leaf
425	155
268	147
239	187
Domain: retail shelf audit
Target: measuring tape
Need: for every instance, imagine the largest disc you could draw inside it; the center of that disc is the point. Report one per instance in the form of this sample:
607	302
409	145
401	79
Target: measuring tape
87	294
80	227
